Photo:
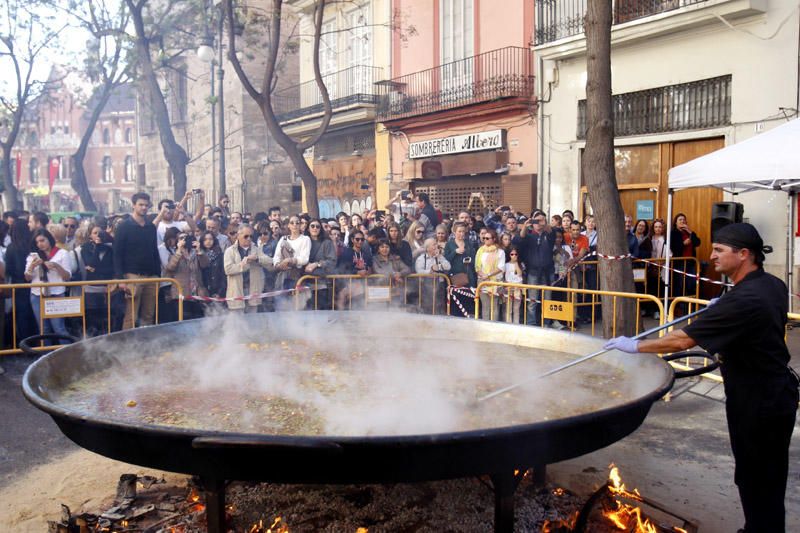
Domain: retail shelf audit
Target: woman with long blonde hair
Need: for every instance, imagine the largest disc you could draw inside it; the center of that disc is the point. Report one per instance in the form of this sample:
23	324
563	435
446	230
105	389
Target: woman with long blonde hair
414	238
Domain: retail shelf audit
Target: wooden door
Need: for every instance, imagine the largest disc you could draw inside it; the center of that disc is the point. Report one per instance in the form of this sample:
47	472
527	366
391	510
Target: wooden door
696	203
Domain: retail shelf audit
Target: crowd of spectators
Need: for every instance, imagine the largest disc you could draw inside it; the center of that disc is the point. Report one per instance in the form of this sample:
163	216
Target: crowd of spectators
228	259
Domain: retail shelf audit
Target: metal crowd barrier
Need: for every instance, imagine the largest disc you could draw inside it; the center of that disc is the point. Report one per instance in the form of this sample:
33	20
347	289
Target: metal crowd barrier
74	305
690	363
565	310
422	290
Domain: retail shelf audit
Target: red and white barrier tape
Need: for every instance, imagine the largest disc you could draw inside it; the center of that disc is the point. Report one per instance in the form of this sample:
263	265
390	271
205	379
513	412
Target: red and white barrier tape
688	274
453	291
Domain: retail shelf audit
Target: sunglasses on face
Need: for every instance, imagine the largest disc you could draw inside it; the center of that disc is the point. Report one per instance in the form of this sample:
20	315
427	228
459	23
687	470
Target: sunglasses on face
315	226
513	255
419	231
358	239
246	235
487	238
73	226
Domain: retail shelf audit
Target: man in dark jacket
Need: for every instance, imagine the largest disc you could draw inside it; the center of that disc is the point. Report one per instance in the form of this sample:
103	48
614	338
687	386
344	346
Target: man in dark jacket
136	257
427	215
746	327
537	251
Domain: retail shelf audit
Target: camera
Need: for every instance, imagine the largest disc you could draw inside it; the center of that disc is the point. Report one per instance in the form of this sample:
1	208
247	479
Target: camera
188	239
404	195
196	191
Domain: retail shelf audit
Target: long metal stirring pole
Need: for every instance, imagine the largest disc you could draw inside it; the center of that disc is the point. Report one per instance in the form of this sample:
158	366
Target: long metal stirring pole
587	357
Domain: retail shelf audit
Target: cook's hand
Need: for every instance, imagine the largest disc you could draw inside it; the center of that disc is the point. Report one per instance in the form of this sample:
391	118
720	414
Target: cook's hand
623	344
712	301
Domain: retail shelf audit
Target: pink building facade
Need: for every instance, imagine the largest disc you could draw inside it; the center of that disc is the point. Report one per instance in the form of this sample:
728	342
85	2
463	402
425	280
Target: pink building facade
51	133
460	107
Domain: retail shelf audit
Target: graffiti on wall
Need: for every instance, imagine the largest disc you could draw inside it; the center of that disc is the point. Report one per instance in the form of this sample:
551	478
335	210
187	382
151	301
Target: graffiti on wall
345	184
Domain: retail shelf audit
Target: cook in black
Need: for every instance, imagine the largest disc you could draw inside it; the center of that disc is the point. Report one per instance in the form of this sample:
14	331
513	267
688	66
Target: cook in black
746	327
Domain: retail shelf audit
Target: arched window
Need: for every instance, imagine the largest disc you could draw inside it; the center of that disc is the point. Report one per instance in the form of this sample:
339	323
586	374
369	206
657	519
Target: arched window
129	169
33	139
106	136
34	171
129	135
108	169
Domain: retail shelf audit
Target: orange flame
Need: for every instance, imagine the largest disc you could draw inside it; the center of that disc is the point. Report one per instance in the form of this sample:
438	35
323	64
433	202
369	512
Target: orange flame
626	517
560	525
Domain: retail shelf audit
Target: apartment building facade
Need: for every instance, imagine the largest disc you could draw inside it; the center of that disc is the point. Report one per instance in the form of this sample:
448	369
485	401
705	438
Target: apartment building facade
688	77
458	111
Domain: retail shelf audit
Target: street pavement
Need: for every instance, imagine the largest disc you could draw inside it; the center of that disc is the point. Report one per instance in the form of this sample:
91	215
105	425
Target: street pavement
680	457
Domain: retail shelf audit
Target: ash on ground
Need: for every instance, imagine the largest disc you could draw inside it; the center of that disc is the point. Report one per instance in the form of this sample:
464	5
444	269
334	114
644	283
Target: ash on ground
462	505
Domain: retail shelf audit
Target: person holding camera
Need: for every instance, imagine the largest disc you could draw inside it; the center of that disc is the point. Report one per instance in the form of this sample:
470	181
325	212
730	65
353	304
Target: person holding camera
536	247
244	264
47	264
171	215
97	256
185	264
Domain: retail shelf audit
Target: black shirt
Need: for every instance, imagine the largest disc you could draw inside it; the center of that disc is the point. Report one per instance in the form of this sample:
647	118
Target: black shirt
747	328
136	250
537	251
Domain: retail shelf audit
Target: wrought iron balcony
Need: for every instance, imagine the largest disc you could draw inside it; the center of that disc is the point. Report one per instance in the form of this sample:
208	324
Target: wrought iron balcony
556	19
503	73
348	87
685	106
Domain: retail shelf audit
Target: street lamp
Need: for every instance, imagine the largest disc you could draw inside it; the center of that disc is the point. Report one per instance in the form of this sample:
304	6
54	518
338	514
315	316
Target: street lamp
205	53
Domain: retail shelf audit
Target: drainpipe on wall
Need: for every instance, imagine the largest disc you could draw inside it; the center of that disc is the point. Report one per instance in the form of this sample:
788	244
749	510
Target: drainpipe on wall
540	193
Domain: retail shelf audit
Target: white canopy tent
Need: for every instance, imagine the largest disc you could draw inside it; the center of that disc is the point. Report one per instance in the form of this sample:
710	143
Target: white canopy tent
769	161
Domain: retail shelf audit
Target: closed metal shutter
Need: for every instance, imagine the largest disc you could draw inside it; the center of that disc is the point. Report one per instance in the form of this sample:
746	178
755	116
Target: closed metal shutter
454	194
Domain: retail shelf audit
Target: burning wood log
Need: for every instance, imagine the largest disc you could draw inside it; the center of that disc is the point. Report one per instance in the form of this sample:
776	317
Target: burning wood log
126	488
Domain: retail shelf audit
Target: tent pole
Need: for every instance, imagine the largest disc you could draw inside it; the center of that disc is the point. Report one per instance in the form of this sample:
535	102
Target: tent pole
667	252
790	246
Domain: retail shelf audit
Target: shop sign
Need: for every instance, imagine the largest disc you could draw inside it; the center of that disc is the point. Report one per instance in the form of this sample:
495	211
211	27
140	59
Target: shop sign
457	144
644	210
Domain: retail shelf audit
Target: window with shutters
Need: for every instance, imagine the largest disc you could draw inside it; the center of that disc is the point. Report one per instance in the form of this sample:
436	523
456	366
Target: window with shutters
34	170
108	169
130	169
457	47
359	49
328	56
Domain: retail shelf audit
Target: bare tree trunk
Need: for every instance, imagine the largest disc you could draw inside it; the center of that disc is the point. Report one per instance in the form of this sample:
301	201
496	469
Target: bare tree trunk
263	97
9	191
176	156
78	180
598	170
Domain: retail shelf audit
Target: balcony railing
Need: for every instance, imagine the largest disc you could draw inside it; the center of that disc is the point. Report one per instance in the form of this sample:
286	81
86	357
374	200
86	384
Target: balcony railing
556	19
503	73
352	86
685	106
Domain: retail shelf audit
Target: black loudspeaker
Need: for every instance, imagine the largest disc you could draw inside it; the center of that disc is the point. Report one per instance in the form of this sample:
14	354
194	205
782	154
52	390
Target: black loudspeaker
724	213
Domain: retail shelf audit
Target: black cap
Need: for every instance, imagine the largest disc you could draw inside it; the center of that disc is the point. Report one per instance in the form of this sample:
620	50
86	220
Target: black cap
743	235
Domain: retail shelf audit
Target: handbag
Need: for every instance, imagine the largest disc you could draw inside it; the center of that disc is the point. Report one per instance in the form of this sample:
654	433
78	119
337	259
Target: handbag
459	280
